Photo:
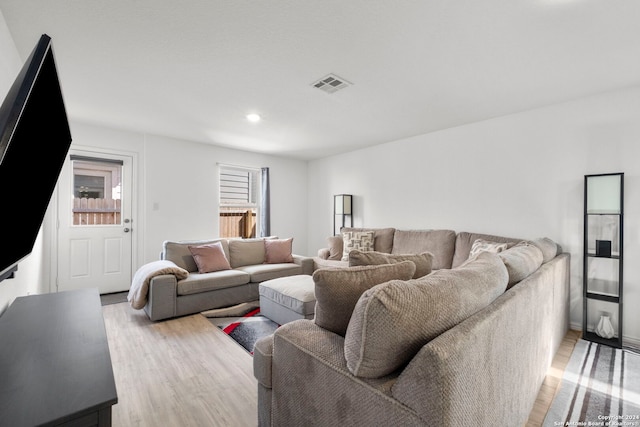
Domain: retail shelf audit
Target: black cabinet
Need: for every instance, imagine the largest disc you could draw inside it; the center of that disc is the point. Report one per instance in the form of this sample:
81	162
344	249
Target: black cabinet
55	364
603	258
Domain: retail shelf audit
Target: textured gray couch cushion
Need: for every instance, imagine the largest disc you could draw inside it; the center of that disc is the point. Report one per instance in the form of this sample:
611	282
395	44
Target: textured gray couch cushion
521	261
338	289
392	321
179	252
383	237
262	272
548	247
422	261
441	243
202	282
246	252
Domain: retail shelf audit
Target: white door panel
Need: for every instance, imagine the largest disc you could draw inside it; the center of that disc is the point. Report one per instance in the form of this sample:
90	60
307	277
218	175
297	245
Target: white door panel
94	215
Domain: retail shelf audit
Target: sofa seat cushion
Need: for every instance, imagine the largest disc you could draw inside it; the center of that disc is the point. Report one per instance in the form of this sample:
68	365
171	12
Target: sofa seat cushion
392	321
262	272
441	243
422	261
319	263
202	282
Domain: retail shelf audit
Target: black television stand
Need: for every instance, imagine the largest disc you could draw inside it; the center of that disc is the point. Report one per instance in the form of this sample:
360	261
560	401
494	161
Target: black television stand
55	365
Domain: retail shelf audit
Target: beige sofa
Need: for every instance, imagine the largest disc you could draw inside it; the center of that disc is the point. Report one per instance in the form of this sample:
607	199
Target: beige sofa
468	345
168	296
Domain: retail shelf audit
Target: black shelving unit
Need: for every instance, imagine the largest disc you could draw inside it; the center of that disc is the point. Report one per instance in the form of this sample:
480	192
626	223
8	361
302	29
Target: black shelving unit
603	255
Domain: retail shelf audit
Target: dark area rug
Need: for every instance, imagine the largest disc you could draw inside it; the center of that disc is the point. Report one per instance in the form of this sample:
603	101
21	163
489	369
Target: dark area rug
246	329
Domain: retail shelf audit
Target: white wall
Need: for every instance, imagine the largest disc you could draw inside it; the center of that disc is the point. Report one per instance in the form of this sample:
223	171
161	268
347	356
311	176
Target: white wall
181	192
519	175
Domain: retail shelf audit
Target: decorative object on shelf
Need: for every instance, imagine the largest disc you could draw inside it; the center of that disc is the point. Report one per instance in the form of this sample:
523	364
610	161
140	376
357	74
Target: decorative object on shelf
342	209
603	248
603	258
605	328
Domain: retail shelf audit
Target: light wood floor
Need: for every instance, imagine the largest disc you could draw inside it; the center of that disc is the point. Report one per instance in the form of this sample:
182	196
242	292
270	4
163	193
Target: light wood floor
186	372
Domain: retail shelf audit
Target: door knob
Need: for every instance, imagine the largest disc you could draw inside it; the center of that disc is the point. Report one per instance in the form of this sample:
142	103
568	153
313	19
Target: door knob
126	230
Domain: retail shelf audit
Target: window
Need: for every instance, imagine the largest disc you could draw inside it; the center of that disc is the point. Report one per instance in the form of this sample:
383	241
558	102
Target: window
239	201
96	191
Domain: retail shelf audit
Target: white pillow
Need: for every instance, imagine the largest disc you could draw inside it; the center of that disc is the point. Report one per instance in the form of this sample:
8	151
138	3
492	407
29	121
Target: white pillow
361	240
481	245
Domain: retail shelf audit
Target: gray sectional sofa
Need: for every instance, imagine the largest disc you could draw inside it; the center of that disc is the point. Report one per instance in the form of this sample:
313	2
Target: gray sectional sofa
468	344
169	295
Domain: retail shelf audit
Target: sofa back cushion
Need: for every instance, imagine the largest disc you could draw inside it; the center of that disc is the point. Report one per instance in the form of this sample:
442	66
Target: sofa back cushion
337	290
382	237
246	252
179	253
548	247
422	261
441	243
521	261
392	321
465	240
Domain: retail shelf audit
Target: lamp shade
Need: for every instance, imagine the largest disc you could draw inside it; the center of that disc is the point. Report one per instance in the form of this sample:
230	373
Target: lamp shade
342	204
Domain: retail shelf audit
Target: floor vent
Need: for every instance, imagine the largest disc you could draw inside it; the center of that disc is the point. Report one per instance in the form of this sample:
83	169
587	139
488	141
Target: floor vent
331	83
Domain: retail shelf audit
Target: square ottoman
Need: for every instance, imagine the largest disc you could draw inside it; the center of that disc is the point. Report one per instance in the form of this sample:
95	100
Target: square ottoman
288	298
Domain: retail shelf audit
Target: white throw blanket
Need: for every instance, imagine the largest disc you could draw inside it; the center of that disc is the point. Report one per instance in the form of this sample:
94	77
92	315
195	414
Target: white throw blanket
140	285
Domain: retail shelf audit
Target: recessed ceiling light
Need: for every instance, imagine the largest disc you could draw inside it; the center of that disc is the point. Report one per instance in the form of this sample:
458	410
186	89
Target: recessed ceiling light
253	117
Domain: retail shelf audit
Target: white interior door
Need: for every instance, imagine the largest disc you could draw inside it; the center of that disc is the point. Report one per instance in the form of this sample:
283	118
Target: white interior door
94	222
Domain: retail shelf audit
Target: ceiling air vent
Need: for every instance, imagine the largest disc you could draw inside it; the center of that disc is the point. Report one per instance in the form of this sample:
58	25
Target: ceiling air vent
331	83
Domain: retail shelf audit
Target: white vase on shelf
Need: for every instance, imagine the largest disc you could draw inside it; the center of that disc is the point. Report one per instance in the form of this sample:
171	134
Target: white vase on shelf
605	328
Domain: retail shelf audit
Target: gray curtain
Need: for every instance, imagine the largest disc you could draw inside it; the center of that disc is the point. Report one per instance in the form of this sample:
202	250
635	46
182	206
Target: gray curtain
265	199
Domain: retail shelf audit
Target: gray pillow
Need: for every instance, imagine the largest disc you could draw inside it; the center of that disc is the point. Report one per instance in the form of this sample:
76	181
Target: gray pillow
337	290
422	261
548	247
521	261
392	321
246	252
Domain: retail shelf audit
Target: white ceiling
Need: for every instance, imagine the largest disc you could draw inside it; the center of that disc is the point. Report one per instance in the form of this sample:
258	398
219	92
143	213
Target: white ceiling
193	69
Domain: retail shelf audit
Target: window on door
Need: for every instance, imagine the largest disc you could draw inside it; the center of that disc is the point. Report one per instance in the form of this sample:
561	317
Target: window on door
239	201
97	188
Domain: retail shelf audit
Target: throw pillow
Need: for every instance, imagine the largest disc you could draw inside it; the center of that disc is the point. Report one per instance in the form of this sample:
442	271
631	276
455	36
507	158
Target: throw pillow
392	321
481	245
521	261
209	258
422	261
337	290
361	240
278	251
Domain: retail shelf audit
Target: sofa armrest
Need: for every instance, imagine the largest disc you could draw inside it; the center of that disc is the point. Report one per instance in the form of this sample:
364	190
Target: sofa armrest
161	299
311	385
323	253
305	262
262	355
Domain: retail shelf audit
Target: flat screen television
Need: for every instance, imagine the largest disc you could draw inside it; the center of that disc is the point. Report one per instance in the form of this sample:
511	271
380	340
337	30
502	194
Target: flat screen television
34	142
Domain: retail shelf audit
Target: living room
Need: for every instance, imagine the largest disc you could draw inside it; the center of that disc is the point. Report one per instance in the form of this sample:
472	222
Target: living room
514	172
